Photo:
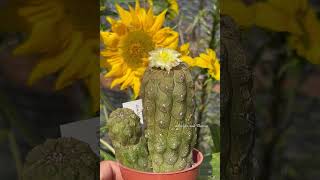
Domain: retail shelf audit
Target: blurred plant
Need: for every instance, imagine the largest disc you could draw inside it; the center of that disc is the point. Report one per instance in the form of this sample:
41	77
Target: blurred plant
72	53
198	24
295	17
215	162
12	123
171	5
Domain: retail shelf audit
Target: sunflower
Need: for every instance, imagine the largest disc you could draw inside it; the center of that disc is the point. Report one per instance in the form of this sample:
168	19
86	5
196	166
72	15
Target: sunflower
72	53
296	17
206	60
307	44
172	5
132	37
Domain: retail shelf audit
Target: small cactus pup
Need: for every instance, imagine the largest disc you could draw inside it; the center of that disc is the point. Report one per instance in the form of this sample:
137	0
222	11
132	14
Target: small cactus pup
61	159
125	132
168	108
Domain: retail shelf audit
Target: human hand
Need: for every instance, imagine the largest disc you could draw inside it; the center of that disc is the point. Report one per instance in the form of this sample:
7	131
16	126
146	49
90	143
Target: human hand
109	170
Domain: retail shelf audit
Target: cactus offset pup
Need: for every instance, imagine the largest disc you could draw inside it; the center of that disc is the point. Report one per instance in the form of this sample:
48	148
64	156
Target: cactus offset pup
124	129
168	109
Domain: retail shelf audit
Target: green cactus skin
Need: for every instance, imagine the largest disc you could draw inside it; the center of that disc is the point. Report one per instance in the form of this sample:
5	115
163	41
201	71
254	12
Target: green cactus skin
168	109
124	129
61	159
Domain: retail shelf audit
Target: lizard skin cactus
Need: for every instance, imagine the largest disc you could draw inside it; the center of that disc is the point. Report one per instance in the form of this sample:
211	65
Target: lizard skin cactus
63	159
168	110
124	129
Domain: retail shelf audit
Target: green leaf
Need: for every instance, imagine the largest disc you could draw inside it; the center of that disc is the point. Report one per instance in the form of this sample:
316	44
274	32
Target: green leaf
215	133
291	64
205	168
107	145
215	163
106	156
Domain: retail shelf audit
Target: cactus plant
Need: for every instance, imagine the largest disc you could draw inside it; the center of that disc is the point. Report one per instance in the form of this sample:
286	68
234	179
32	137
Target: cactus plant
168	111
125	131
167	94
63	159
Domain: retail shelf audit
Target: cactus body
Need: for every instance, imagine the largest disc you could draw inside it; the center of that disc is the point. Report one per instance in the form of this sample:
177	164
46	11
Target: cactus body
125	131
61	159
168	101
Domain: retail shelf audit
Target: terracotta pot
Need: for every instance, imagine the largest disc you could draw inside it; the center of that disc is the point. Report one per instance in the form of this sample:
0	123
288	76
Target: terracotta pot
187	174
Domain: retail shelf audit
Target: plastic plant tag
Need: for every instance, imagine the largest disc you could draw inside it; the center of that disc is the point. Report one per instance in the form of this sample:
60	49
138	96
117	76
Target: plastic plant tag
136	106
85	130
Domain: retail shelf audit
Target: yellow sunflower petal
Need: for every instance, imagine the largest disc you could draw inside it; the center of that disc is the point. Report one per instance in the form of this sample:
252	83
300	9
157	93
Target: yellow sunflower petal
136	23
136	87
115	71
139	72
184	49
158	21
166	37
121	79
137	5
148	20
53	64
216	72
150	2
44	11
109	54
124	15
188	60
171	41
115	60
210	62
127	82
241	13
201	62
111	21
75	68
174	6
38	37
109	39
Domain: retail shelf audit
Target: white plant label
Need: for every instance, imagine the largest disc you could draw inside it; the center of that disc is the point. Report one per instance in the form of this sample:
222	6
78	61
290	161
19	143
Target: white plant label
135	106
84	130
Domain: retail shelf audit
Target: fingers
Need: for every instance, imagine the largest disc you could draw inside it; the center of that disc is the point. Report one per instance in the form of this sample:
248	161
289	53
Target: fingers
116	170
105	171
110	170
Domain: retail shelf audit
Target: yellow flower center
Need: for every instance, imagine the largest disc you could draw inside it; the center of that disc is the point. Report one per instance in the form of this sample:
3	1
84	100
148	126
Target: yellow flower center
136	46
165	57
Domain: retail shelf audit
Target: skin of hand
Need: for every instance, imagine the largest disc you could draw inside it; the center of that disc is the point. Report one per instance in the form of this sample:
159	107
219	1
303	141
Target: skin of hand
110	170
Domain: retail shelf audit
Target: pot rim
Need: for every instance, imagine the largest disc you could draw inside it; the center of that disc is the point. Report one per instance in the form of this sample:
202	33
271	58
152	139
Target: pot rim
194	166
